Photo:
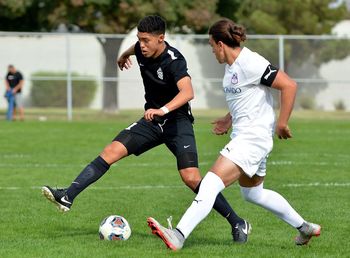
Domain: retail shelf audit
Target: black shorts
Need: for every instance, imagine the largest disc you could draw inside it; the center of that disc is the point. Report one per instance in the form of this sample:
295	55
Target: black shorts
176	133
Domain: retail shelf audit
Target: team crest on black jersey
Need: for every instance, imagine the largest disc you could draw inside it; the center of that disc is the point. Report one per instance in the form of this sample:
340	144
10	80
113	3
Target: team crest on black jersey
234	79
160	73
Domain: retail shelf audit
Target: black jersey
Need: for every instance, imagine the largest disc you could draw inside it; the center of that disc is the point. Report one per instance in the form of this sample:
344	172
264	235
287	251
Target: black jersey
13	79
160	76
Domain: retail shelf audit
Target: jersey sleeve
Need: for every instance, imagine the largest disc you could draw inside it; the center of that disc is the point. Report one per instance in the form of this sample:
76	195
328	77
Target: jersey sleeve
269	75
178	69
254	67
20	76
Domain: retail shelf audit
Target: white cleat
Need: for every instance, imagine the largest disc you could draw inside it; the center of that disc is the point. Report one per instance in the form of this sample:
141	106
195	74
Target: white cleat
307	231
171	237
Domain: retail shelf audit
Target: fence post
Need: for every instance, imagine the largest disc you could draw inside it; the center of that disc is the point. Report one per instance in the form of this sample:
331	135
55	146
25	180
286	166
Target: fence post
281	52
69	80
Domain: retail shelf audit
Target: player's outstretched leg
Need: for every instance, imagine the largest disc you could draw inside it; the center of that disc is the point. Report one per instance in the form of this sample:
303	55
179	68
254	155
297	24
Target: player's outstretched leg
58	197
307	231
171	237
63	198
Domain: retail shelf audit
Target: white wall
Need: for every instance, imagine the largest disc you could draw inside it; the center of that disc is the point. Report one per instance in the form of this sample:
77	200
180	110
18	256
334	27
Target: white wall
336	70
130	88
32	54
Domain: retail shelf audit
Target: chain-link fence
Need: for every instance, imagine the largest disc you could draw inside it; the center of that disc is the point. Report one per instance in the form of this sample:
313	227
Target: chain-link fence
80	71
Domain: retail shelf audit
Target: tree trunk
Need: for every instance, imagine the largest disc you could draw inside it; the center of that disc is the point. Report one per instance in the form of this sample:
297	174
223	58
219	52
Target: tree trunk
110	88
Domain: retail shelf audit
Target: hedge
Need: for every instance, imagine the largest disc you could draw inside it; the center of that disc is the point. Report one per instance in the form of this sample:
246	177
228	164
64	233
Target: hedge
53	93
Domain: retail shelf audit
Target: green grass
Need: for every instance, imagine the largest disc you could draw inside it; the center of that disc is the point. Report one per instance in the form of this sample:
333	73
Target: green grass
311	171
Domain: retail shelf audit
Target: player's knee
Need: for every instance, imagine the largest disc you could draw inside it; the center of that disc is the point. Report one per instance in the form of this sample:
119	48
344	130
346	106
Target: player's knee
109	150
192	184
191	177
113	152
251	194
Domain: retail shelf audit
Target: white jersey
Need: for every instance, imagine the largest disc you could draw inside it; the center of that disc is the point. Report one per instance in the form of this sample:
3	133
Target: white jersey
250	103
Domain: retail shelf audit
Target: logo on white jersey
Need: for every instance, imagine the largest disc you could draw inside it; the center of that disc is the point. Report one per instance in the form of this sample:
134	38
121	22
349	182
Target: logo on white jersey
172	54
232	90
270	72
234	79
160	73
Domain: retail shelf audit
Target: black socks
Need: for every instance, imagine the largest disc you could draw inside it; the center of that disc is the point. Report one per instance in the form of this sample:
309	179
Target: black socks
89	175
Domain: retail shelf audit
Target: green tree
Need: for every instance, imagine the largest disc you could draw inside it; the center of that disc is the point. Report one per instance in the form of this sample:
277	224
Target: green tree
16	15
303	57
300	17
228	8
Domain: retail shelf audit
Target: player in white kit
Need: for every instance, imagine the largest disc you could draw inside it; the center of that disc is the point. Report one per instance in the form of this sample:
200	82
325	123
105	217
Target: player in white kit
247	84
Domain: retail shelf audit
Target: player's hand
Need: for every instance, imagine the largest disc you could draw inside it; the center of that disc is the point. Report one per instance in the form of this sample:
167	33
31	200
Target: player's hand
151	113
124	62
283	132
221	125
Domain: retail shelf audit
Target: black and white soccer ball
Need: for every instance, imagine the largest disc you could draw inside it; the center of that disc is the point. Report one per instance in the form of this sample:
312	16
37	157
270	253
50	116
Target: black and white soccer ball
114	227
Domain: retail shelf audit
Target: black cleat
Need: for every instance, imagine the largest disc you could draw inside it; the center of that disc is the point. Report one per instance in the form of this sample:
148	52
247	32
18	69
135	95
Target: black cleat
241	231
58	197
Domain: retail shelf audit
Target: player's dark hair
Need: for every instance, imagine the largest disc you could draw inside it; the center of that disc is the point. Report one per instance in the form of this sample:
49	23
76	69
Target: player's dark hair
227	32
152	24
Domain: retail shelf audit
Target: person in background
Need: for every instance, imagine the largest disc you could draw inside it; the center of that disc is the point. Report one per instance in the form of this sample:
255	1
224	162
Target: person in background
14	85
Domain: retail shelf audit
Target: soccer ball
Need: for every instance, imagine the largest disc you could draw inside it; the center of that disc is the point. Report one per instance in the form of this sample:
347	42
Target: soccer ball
114	227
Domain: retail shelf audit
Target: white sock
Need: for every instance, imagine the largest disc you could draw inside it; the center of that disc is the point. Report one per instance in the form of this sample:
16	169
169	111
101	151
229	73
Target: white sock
210	187
273	202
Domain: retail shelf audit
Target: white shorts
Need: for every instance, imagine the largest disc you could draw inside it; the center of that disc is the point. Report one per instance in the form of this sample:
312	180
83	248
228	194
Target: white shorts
249	152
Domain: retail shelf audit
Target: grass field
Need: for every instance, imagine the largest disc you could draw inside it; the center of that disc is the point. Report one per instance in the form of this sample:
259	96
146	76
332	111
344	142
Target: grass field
311	171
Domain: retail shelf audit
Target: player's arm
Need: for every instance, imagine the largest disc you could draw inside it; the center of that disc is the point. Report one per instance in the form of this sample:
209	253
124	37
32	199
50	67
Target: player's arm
18	86
124	61
222	124
288	89
7	85
185	95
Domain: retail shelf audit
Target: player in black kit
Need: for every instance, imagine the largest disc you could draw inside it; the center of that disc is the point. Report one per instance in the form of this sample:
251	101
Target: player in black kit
167	120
